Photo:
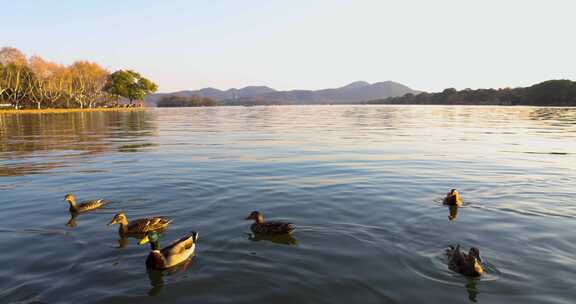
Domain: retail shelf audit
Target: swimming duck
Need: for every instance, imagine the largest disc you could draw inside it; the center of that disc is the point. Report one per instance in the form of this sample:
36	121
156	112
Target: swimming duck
139	226
453	198
84	206
465	264
270	227
172	255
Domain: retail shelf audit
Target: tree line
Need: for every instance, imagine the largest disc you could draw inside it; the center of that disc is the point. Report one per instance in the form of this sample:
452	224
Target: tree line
186	101
37	83
547	93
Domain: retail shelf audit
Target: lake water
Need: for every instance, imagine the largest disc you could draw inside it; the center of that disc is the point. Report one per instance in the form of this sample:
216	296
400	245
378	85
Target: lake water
363	185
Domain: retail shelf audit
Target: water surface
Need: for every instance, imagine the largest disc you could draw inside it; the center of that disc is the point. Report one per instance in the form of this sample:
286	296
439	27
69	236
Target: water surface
362	183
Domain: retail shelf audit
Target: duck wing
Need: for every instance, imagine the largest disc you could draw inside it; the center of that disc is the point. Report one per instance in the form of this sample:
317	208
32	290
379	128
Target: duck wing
274	227
159	222
148	224
179	246
458	261
179	251
92	204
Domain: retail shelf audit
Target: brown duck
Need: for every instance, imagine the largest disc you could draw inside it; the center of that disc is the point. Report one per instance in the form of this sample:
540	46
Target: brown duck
269	227
171	255
452	198
84	206
139	226
465	264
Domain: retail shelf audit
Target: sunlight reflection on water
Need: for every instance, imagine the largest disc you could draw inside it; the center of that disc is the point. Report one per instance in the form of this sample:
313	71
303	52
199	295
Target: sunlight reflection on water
362	184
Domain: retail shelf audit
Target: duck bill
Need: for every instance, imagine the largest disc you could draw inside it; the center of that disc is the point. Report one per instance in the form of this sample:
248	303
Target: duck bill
144	240
248	218
112	222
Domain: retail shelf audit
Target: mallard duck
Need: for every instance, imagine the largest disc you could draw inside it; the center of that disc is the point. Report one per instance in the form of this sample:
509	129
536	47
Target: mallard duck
465	264
139	226
270	227
172	255
84	206
453	198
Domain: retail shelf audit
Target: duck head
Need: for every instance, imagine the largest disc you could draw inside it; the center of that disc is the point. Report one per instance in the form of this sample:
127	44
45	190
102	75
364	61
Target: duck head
70	198
474	256
256	216
119	218
153	238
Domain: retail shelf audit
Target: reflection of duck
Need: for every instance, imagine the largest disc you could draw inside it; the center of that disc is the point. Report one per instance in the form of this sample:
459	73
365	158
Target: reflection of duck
172	255
453	212
453	198
286	238
465	264
122	242
471	289
138	226
84	206
72	221
270	227
156	276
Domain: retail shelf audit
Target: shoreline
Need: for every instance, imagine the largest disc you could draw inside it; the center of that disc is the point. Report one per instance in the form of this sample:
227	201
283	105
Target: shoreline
74	110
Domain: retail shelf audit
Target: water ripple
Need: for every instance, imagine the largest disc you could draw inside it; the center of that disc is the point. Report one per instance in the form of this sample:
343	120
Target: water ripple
362	184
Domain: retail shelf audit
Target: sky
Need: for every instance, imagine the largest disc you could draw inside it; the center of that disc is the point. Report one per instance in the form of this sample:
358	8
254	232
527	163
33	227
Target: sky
304	44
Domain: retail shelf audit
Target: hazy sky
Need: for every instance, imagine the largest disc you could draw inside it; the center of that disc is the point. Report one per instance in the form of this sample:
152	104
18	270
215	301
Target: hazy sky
427	45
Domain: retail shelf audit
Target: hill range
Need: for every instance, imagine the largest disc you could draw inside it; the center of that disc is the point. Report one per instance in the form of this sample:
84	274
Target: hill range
353	93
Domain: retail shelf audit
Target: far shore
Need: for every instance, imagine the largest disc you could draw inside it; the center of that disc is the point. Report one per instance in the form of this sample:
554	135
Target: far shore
73	110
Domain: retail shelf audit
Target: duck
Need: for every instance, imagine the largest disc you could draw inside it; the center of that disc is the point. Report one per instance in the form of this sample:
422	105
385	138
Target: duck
453	198
270	227
139	226
177	252
85	205
469	265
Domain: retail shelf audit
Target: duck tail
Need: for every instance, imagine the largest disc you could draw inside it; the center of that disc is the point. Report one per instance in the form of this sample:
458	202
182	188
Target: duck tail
194	235
453	249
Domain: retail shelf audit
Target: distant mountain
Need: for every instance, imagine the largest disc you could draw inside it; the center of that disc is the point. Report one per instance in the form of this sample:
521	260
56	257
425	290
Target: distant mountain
356	92
212	93
356	85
